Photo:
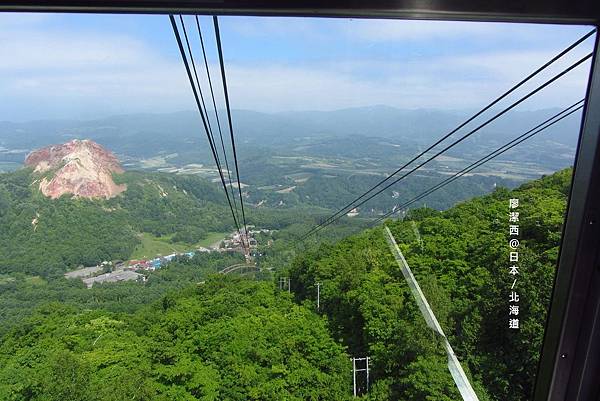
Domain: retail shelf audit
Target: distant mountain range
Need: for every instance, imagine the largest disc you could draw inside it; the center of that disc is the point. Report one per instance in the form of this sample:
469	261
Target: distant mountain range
145	135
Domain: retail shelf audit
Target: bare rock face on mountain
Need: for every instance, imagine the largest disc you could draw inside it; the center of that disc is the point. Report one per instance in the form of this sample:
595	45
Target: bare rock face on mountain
79	167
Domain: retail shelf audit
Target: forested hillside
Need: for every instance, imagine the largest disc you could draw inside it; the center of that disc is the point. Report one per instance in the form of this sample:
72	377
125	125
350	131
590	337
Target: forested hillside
49	236
461	265
44	236
226	339
215	338
21	294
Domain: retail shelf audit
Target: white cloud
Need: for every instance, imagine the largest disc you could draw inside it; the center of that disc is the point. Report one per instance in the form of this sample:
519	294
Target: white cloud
108	72
26	50
449	83
79	72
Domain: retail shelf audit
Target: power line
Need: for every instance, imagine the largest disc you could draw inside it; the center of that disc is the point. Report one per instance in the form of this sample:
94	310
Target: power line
504	148
470	133
490	105
198	105
224	79
212	93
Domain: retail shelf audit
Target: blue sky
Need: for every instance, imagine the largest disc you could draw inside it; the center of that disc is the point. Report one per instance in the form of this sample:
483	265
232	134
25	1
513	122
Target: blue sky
87	66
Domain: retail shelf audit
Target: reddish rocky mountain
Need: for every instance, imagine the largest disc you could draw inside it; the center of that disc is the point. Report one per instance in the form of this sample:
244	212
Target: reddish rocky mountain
79	167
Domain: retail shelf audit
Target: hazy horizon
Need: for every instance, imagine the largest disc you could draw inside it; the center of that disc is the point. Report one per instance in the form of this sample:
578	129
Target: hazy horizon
458	112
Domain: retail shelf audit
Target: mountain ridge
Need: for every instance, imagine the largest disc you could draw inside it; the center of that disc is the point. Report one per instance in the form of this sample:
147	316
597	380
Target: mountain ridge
381	121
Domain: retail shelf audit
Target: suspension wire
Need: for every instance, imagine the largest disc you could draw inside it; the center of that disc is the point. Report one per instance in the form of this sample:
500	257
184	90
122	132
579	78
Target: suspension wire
205	109
212	93
504	148
470	133
198	105
187	42
224	80
446	136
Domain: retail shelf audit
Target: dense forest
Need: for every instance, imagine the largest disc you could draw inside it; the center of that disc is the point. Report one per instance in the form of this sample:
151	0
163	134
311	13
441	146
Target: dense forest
460	260
223	339
189	334
21	294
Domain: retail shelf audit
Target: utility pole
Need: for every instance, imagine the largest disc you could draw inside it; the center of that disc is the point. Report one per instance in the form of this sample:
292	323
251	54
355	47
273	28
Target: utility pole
367	374
355	371
318	296
282	283
246	245
354	375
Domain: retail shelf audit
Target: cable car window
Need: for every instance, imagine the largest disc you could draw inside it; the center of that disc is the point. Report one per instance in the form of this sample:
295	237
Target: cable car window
237	207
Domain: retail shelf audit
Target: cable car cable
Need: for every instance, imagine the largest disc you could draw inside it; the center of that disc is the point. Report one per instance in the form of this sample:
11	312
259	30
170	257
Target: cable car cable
470	133
521	138
191	80
224	79
212	93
